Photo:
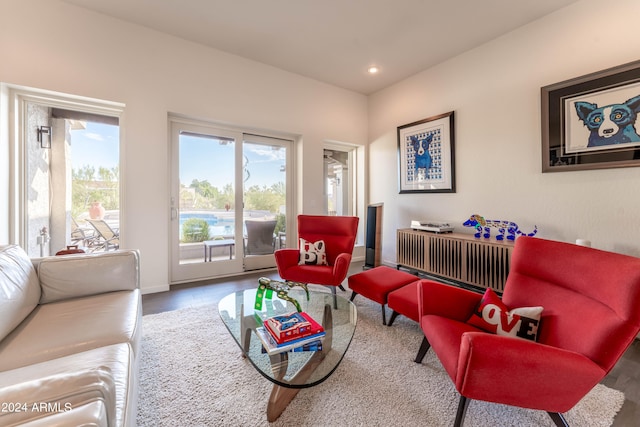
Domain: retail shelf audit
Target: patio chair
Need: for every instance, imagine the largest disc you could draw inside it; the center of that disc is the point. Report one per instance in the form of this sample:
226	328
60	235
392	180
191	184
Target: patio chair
107	236
84	236
260	238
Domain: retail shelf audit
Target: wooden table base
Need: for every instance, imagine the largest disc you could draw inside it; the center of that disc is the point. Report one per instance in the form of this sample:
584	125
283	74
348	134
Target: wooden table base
281	396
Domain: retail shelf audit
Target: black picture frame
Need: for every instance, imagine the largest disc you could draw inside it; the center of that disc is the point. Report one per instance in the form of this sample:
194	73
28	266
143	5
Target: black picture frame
609	98
426	155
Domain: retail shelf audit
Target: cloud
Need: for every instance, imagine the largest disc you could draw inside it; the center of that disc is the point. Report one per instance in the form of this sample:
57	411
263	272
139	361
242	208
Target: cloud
94	136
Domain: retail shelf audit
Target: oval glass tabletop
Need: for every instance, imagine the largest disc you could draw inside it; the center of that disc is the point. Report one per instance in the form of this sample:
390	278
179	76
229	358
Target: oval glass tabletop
291	369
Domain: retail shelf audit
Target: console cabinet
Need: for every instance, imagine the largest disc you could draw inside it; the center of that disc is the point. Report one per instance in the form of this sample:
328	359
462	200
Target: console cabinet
461	258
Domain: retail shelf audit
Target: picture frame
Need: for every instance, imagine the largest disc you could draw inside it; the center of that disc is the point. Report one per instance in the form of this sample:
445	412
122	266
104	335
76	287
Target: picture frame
591	122
426	155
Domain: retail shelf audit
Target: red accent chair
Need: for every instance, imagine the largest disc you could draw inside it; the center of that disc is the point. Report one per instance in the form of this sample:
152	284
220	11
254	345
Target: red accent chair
591	316
339	235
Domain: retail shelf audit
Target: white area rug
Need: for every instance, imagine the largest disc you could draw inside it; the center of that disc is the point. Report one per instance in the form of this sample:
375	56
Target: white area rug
192	374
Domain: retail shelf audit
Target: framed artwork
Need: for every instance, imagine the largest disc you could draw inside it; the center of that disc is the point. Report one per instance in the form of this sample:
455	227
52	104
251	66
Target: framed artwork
426	155
590	122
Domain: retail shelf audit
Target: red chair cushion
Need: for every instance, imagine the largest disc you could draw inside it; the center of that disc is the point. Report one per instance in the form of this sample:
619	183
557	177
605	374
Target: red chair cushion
377	283
405	301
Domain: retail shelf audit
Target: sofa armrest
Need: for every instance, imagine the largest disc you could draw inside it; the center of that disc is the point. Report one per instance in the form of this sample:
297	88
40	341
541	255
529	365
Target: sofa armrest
36	400
63	277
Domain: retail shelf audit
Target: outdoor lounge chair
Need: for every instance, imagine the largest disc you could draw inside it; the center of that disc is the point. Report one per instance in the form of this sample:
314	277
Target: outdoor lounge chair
107	237
84	236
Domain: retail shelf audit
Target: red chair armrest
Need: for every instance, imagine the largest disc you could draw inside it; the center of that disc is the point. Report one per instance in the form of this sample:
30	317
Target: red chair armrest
446	300
341	267
523	373
286	258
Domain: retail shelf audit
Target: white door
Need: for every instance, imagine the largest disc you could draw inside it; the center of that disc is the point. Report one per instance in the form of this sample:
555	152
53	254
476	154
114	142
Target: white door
222	178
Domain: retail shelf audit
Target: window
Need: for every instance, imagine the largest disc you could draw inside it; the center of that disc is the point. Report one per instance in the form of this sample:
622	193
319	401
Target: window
67	166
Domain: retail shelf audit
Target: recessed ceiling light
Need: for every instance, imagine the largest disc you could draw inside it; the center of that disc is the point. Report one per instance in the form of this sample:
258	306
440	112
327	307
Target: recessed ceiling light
373	70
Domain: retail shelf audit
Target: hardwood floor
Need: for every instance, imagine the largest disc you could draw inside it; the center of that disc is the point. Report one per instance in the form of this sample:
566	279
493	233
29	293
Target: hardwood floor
625	376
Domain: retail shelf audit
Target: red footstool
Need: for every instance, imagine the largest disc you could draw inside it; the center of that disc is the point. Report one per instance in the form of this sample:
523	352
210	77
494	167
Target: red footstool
377	283
404	301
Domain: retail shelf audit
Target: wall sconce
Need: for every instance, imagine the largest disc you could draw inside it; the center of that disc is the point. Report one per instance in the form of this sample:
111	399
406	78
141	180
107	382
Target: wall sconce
44	136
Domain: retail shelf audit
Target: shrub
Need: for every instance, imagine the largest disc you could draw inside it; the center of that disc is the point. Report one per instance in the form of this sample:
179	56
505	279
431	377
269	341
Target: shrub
195	230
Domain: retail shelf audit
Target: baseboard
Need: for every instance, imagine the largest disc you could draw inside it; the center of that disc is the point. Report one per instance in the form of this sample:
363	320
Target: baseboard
154	289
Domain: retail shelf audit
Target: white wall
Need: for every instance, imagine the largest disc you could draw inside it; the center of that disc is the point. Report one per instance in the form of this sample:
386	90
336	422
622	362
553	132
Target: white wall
52	45
495	93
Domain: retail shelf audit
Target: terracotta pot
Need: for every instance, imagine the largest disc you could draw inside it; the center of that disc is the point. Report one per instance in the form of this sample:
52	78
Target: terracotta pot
96	211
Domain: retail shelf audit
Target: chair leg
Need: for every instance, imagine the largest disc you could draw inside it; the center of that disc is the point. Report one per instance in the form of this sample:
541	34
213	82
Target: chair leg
424	347
393	317
384	315
462	411
341	288
558	419
335	299
353	295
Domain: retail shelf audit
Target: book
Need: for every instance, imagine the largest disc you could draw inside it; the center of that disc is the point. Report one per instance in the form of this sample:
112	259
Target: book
291	326
312	346
271	347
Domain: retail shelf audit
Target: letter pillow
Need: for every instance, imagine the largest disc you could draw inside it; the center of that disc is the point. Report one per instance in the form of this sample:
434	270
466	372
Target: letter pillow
312	253
493	316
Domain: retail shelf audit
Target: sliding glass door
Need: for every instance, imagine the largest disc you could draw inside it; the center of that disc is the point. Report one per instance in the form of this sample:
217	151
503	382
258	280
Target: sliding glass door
228	200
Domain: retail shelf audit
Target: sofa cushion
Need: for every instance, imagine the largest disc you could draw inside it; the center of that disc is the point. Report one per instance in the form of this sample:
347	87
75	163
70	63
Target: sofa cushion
70	277
494	316
70	326
118	359
19	288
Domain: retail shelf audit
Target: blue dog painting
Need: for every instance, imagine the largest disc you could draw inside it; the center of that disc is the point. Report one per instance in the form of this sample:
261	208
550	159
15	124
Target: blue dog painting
611	124
421	149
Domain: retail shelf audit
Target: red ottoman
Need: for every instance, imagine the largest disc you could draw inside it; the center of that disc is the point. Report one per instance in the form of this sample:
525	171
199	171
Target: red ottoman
404	301
377	283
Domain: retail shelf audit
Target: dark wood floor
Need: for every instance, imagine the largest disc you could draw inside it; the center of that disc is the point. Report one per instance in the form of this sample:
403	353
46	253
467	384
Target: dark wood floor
625	376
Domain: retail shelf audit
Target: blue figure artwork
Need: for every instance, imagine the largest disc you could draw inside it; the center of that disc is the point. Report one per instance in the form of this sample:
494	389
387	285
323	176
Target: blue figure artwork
611	124
483	228
421	149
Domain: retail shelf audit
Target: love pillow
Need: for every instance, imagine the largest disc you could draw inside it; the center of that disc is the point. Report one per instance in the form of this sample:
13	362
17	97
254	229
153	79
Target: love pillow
312	253
493	316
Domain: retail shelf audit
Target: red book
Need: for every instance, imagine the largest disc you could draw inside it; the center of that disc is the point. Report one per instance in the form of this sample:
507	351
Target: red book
292	326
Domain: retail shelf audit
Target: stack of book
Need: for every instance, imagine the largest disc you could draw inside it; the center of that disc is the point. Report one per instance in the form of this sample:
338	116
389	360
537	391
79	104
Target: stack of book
290	332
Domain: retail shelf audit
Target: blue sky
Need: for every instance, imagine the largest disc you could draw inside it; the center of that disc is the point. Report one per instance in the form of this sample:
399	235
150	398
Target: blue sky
200	158
207	159
96	146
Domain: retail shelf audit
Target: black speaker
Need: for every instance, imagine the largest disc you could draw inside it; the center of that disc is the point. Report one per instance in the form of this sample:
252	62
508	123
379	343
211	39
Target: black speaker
373	237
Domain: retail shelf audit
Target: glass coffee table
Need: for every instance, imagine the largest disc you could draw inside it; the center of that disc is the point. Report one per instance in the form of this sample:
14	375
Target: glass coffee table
293	370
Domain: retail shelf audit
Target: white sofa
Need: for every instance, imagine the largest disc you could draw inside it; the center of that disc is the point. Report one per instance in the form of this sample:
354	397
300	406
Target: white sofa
69	338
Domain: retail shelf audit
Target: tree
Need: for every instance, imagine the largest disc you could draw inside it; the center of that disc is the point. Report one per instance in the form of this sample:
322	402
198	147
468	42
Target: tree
88	186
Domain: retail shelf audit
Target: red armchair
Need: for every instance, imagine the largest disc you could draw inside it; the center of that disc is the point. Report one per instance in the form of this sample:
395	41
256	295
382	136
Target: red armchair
591	301
339	236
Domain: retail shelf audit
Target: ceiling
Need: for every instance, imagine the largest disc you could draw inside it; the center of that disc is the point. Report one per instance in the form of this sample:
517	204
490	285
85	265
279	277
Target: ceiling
334	41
